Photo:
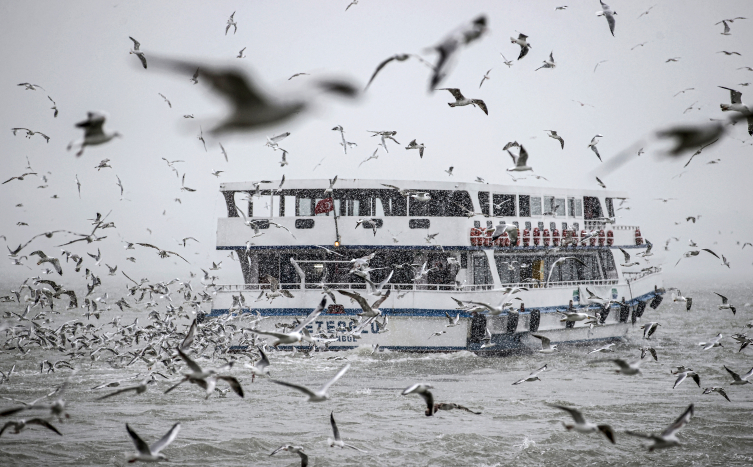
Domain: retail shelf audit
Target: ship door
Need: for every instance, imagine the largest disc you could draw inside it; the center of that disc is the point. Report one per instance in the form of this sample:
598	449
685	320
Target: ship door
537	270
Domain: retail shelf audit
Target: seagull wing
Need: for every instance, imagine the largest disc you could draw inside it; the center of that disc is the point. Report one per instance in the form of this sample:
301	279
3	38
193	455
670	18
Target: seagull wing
681	421
141	446
136	44
522	157
681	377
357	297
335	431
263	361
379	68
575	413
235	385
120	391
335	378
44	423
165	440
191	364
482	105
627	255
455	93
724	299
379	301
545	341
311	317
303	389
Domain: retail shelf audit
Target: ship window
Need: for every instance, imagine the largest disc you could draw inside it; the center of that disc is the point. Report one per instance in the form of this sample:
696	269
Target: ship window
289	210
443	203
476	224
528	225
570	270
564	227
607	264
304	207
541	225
481	272
379	211
524	206
483	201
463	261
592	207
559	206
508	268
578	207
503	205
576	226
552	226
610	207
535	205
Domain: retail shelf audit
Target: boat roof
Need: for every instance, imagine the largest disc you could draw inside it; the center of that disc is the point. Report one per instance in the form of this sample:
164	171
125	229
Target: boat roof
364	184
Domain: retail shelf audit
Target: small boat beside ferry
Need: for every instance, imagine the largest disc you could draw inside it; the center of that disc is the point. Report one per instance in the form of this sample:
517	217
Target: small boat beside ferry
452	266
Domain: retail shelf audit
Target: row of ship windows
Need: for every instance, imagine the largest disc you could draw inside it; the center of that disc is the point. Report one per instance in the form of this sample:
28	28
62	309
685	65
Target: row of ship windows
443	203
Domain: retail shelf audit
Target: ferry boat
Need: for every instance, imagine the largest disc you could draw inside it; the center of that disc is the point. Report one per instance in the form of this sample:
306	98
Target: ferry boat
434	246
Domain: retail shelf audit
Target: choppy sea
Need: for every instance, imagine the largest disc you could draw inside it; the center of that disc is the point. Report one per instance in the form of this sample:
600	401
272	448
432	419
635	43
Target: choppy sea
515	425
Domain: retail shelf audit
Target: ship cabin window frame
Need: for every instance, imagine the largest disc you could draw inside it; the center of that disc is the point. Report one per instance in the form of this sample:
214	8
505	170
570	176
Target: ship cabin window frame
484	201
524	206
609	202
599	266
592	208
535	206
481	271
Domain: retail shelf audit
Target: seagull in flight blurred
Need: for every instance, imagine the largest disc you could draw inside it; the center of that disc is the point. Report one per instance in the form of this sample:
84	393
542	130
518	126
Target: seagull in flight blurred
548	63
553	134
521	162
54	107
30	87
94	134
337	440
667	438
448	48
420	147
506	61
593	143
737	105
151	453
231	22
240	54
582	425
486	76
319	395
399	58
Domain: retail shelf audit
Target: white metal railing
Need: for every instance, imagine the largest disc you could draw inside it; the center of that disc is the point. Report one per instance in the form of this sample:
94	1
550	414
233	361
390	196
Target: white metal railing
624	227
634	276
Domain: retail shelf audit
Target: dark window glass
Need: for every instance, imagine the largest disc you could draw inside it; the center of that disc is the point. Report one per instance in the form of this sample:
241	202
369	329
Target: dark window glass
481	272
503	205
524	206
592	207
304	223
610	207
483	201
419	223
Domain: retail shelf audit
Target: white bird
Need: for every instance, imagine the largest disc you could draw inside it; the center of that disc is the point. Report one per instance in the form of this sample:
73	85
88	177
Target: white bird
294	450
683	375
422	390
449	171
546	344
534	376
195	79
399	58
582	425
240	54
605	348
649	329
525	46
553	134
726	29
506	61
593	143
31	87
626	368
151	453
320	395
711	344
93	132
383	135
486	76
337	441
261	367
521	162
627	262
369	311
668	438
608	13
19	425
718	390
284	160
461	100
345	144
726	305
273	141
224	153
739	380
138	52
205	378
231	22
448	48
373	156
737	105
54	107
297	334
548	63
420	147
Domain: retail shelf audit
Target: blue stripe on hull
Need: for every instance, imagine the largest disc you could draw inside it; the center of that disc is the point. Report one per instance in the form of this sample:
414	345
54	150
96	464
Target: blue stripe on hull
424	247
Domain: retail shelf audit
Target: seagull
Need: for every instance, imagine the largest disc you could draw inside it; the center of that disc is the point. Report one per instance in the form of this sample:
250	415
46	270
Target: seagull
43	258
486	76
399	58
673	59
30	133
195	79
449	172
728	53
563	8
294	450
120	184
582	425
30	87
19	425
593	143
453	321
166	100
506	61
534	376
93	132
54	107
724	306
716	389
240	54
250	107
273	141
261	367
21	177
201	138
206	379
599	63
448	48
345	144
423	391
320	395
553	134
605	348
559	261
369	311
337	441
668	438
682	375
546	345
548	63
284	160
739	380
151	453
649	329
163	253
460	100
646	350
420	147
103	164
598	180
139	388
608	13
231	22
383	135
626	368
297	334
738	106
714	343
521	162
525	46
222	148
726	29
137	52
679	298
373	156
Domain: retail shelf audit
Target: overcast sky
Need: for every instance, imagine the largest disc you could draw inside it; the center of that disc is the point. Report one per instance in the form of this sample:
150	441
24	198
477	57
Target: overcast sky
78	51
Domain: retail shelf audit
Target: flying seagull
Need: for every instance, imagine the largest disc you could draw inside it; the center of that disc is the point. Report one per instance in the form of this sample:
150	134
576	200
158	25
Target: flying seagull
593	143
525	46
553	134
667	438
448	48
608	13
548	63
582	425
420	147
138	52
320	395
151	453
399	58
94	134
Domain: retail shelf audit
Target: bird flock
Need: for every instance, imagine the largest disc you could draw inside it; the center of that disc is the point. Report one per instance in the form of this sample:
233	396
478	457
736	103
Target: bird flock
183	355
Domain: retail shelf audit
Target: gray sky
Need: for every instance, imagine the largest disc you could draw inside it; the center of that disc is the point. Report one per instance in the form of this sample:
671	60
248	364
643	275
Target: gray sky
78	51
